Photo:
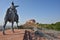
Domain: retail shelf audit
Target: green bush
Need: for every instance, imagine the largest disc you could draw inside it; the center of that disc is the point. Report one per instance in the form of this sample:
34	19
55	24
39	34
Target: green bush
55	26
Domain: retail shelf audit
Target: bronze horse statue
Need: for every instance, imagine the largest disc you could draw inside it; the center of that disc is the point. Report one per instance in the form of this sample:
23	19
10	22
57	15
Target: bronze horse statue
11	16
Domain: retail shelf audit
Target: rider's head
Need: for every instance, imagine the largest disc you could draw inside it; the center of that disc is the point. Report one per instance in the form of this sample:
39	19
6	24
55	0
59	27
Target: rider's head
12	5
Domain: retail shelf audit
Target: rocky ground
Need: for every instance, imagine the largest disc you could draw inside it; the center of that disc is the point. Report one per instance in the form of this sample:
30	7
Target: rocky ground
26	34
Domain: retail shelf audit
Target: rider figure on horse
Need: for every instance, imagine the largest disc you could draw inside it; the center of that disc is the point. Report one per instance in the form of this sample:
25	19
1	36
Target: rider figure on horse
11	16
12	8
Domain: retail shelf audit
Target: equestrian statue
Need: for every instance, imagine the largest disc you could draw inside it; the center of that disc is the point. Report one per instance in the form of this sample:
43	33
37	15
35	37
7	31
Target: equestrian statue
11	16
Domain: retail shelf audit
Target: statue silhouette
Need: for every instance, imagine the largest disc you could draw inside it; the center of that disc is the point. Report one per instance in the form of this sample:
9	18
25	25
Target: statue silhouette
11	16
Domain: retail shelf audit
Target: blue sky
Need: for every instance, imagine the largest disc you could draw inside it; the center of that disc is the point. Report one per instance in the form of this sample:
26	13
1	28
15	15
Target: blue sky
43	11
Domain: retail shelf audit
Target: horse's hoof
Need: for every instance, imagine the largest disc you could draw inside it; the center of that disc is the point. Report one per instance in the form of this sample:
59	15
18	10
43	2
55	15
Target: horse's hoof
3	33
13	31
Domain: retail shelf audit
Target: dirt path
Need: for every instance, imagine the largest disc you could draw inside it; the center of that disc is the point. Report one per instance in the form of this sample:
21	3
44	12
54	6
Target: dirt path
20	34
